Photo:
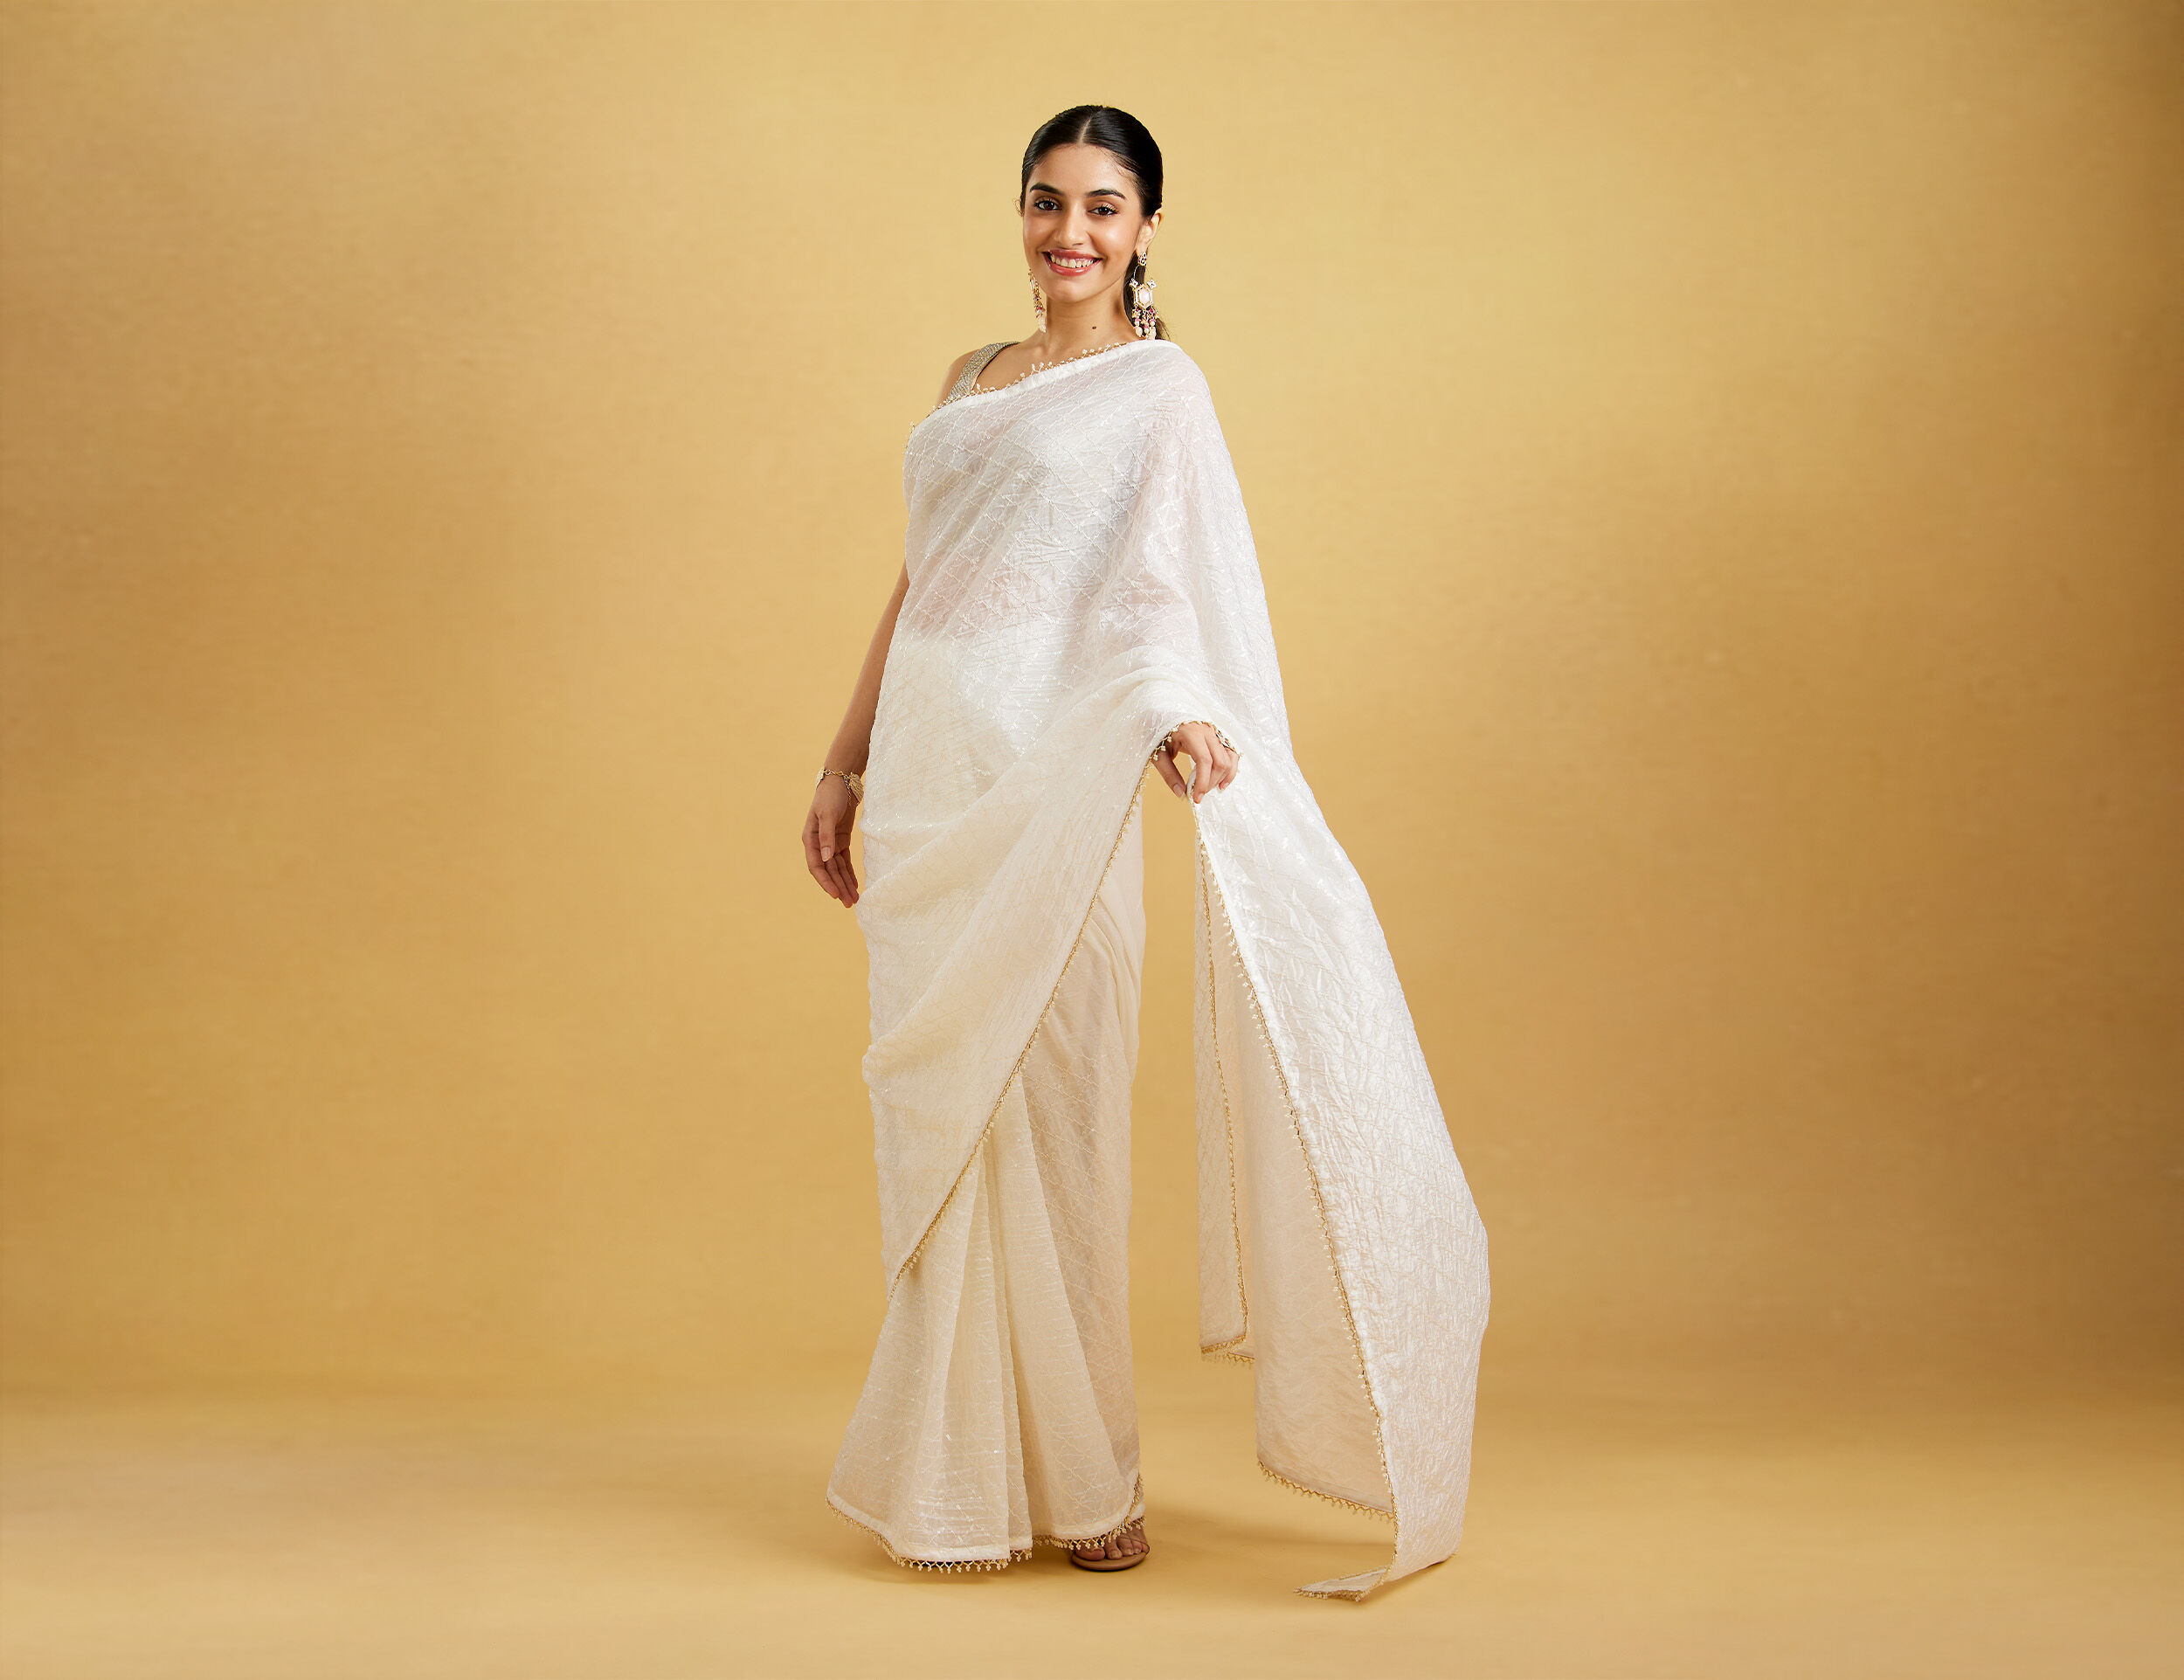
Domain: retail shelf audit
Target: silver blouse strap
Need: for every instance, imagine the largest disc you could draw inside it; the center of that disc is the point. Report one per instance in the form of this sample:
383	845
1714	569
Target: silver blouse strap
976	366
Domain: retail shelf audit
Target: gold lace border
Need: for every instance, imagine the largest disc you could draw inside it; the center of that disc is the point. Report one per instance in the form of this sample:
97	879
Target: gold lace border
894	1556
1319	1207
1268	1469
1023	1056
1067	1543
1061	1543
1228	1120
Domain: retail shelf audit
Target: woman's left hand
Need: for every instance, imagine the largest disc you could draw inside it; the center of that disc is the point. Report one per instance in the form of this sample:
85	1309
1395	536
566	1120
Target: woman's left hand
1215	764
827	829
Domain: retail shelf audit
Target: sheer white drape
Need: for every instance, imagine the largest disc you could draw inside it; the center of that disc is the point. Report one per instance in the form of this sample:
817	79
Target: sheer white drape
1082	577
999	1408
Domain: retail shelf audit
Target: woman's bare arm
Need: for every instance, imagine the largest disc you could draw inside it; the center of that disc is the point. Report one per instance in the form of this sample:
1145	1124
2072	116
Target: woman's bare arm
834	808
827	827
853	741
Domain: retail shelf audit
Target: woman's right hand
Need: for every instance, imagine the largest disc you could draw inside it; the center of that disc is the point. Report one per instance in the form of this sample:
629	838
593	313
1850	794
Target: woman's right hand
1200	742
826	840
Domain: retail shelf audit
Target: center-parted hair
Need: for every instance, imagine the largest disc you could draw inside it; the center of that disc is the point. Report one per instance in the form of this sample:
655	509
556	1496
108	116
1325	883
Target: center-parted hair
1134	149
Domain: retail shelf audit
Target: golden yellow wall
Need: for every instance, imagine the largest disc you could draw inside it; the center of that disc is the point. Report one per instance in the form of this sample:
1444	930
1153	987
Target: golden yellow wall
1715	474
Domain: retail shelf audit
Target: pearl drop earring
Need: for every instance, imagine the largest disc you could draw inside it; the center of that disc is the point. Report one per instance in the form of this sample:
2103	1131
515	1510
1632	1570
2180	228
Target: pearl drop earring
1142	314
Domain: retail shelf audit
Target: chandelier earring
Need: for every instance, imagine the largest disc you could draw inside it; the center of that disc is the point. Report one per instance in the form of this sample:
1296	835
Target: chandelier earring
1038	301
1142	314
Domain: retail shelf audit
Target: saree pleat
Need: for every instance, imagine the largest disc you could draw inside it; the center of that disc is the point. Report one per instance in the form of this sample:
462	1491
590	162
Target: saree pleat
999	1409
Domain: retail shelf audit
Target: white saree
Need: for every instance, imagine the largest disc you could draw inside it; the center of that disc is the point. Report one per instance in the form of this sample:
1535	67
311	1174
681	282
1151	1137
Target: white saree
1083	579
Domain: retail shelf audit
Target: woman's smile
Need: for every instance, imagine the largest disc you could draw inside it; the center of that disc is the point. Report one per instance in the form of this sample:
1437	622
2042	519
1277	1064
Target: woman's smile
1074	262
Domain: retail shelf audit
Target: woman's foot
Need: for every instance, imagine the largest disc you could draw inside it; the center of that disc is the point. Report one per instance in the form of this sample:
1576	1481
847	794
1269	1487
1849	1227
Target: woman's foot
1123	1551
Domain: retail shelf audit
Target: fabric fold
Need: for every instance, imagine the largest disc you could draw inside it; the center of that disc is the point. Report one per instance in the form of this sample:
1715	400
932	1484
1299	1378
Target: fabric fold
999	1409
1083	578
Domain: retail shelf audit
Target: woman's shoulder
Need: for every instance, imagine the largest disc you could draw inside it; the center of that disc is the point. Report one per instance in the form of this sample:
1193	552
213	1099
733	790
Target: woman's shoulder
955	368
1182	359
1177	377
955	372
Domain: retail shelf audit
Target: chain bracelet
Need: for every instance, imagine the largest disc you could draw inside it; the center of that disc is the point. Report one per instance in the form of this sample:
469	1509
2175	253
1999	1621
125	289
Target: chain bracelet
856	782
1167	742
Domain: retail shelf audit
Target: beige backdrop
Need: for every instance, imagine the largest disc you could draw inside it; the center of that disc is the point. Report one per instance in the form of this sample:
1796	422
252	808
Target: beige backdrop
1716	471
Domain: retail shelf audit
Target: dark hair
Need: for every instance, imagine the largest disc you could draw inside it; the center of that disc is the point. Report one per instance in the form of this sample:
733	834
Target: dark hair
1131	142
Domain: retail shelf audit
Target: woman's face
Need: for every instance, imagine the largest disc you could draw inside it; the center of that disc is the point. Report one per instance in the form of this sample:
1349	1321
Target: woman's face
1082	224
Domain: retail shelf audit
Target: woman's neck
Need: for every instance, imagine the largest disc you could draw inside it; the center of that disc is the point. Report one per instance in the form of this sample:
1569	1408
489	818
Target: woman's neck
1071	333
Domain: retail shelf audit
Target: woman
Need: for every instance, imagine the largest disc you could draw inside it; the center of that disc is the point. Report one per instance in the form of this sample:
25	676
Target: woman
1082	592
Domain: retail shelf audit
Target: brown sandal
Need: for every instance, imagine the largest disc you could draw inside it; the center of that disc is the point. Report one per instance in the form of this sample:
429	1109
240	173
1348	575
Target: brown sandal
1127	1561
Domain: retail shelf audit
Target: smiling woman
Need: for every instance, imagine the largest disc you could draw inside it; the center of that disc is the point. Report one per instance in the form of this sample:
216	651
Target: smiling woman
1080	596
1090	211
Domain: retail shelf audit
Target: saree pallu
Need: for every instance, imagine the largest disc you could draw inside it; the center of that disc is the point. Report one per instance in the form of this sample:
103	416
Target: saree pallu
1081	579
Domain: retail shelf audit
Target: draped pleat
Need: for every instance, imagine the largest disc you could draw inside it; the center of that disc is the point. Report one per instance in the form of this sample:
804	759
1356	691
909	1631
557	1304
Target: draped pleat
1000	1406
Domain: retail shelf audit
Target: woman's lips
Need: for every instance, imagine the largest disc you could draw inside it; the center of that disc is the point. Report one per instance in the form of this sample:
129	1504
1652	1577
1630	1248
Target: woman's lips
1084	267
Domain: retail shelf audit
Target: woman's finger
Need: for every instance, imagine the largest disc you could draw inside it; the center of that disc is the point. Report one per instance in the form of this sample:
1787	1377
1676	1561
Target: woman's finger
1165	763
834	850
820	856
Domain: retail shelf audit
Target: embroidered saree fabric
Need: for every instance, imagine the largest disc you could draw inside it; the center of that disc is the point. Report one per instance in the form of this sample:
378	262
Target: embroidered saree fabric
1083	579
1000	1408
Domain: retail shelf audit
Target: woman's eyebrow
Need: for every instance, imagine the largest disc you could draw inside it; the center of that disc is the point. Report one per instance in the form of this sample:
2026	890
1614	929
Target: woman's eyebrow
1112	192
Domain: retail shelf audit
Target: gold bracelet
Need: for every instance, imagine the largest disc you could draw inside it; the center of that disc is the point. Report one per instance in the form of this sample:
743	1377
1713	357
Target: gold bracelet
1167	742
856	782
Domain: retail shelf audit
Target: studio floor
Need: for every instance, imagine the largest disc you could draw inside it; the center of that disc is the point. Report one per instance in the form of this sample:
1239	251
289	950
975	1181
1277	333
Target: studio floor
1628	1526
